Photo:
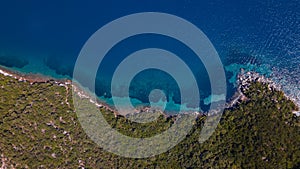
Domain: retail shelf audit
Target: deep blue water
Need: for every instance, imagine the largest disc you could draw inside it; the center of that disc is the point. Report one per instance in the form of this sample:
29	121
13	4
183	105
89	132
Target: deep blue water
257	35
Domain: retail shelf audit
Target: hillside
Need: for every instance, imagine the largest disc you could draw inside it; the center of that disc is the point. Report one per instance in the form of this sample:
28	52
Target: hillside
39	129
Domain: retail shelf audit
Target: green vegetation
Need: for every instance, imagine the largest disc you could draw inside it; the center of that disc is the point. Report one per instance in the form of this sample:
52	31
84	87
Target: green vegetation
38	129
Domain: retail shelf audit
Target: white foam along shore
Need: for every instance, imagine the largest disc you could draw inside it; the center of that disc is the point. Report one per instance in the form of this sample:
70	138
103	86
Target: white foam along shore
35	78
84	93
5	73
244	80
139	106
68	84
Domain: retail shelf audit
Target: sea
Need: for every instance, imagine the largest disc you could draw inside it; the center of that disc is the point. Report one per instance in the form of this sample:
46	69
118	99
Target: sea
258	35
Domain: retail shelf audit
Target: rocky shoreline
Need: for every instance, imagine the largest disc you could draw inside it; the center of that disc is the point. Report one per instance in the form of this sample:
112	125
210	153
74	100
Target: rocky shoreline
77	88
67	83
244	80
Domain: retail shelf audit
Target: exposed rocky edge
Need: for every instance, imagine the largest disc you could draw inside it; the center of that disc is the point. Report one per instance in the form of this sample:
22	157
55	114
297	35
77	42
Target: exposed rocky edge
30	77
68	84
245	80
39	130
84	94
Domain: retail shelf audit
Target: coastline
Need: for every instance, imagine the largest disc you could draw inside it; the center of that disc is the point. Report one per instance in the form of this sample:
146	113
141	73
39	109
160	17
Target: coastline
30	77
244	80
68	84
81	91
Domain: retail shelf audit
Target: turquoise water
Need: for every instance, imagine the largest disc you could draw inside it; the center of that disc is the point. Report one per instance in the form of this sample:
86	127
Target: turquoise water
260	36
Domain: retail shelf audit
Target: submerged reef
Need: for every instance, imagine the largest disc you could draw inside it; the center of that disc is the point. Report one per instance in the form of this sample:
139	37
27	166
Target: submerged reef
13	61
240	56
59	66
39	129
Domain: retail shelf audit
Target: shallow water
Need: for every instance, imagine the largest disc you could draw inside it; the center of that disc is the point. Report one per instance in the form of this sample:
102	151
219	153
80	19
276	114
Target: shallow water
260	36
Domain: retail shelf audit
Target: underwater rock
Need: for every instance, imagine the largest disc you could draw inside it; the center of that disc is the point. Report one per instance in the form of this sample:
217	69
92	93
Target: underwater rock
13	61
57	65
241	57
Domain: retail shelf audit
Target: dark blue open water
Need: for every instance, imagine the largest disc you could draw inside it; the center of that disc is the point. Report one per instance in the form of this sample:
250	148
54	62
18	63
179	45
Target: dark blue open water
256	35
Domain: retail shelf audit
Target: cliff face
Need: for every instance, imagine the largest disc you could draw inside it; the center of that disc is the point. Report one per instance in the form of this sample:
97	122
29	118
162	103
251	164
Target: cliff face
39	129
